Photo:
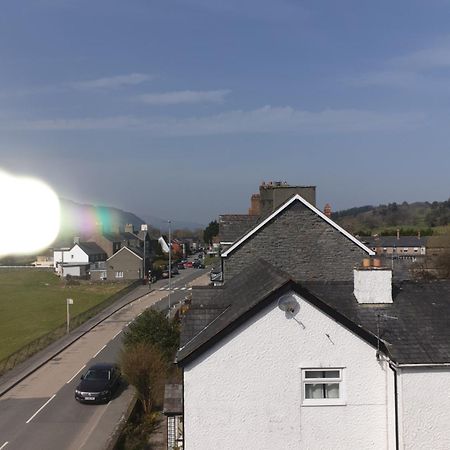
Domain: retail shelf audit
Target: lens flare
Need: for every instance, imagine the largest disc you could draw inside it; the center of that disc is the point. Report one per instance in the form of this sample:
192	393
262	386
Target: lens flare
29	215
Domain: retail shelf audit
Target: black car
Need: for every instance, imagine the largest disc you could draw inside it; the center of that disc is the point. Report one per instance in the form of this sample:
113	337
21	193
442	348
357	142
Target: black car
99	383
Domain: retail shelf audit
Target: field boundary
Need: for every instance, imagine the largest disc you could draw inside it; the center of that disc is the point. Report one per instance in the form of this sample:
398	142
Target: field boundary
33	347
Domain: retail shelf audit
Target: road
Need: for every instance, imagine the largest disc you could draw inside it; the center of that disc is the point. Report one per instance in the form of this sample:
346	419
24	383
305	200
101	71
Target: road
41	412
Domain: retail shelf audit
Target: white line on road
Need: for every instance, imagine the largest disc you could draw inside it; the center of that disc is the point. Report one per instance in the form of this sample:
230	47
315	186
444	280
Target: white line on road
176	288
4	445
117	334
183	288
161	289
189	289
99	351
41	408
72	378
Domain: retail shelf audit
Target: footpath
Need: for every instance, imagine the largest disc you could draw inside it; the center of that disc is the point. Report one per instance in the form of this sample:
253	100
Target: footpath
23	370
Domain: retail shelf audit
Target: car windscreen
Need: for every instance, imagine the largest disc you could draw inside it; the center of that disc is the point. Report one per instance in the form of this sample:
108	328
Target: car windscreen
97	374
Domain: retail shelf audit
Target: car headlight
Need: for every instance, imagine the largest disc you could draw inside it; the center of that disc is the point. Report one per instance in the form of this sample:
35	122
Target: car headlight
77	391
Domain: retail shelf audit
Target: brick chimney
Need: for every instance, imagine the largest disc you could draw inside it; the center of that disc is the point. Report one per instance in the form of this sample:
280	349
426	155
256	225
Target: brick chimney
255	205
372	283
327	210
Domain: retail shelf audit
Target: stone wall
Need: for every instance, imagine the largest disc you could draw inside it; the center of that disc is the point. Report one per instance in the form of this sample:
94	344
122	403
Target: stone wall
302	244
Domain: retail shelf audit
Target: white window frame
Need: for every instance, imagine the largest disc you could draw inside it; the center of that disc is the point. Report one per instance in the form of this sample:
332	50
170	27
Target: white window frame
340	401
119	274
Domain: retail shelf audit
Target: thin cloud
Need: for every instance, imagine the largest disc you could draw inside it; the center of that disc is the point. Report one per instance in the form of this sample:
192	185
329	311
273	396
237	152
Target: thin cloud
260	121
114	82
421	70
179	97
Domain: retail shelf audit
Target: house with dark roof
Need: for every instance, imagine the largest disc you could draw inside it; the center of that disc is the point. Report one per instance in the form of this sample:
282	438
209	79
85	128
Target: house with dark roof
126	264
78	259
299	239
320	364
312	349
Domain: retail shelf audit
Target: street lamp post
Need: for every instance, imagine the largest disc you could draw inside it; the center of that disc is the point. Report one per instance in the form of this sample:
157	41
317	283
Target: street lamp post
170	263
69	301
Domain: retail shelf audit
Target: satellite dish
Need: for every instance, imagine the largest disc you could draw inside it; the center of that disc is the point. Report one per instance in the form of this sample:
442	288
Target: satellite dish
288	304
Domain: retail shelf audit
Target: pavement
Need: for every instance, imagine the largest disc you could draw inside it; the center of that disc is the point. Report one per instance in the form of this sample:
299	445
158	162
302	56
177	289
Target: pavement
23	370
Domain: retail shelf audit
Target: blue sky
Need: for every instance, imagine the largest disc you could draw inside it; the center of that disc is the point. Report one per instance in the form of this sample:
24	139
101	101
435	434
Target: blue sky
179	109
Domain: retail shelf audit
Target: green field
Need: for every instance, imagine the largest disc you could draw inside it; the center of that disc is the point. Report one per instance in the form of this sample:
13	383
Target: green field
33	303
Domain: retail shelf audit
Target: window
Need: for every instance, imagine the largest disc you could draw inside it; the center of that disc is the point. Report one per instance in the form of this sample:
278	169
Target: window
322	387
119	274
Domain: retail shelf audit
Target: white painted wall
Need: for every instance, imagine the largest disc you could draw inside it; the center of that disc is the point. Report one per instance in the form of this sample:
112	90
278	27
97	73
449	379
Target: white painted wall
246	392
76	254
425	408
60	255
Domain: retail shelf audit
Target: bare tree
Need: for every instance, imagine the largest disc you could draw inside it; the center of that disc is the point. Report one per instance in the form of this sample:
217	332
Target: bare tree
145	368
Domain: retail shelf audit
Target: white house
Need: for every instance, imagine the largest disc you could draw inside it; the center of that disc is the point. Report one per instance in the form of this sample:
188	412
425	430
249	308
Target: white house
76	260
334	365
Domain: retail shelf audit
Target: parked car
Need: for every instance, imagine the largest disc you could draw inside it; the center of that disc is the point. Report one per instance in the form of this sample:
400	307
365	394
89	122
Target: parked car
99	383
175	270
180	266
188	264
165	273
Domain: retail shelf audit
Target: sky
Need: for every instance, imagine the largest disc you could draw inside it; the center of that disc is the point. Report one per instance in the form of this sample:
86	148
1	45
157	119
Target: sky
181	108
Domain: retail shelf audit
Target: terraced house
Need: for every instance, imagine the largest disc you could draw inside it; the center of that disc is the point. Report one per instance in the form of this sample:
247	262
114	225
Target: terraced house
310	344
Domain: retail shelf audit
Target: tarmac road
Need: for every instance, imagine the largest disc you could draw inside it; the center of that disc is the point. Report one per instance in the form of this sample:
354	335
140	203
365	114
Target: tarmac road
40	412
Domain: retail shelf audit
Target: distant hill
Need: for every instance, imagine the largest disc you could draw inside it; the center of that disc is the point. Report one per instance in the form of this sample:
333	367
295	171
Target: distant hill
83	219
424	216
162	224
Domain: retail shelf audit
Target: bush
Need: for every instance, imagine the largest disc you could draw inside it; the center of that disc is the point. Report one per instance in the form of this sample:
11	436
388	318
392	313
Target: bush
144	367
154	328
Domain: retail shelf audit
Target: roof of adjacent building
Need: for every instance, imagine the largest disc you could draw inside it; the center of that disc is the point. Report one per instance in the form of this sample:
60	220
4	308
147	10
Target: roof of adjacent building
393	241
119	237
136	251
173	400
414	329
278	211
91	248
233	226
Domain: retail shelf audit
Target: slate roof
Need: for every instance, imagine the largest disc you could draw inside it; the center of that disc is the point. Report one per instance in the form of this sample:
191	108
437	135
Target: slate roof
137	251
392	241
233	226
421	332
119	237
173	400
91	248
233	301
414	329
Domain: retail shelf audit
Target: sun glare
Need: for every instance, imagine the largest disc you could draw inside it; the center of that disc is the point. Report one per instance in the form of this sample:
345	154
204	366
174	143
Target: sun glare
29	215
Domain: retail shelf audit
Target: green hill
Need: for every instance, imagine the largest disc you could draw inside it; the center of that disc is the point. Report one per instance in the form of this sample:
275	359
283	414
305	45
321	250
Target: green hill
428	218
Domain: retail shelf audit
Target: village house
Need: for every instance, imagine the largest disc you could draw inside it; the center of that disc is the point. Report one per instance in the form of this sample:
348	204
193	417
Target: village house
309	343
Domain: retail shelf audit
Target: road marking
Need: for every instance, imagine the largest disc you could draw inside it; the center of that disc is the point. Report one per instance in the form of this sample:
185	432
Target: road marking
183	288
190	289
99	351
161	289
72	378
41	408
4	445
117	334
176	288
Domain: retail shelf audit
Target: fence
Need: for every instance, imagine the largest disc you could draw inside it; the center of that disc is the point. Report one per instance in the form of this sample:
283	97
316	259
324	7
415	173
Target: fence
40	343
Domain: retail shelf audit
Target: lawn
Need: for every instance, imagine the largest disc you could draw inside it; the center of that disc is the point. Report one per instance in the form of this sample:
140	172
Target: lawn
33	303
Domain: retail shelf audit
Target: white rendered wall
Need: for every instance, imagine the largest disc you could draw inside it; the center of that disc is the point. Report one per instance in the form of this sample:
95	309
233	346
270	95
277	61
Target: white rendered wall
76	255
246	392
425	408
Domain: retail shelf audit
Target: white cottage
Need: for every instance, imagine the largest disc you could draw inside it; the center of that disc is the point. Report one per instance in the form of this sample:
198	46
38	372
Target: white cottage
270	363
